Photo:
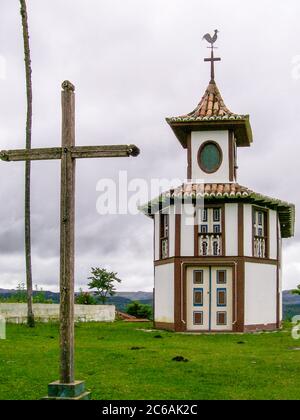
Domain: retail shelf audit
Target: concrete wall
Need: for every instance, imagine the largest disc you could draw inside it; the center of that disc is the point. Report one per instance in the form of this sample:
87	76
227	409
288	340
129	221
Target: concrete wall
164	293
222	138
16	313
260	294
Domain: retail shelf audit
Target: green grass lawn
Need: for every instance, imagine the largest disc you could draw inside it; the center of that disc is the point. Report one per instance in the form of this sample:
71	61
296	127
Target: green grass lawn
259	366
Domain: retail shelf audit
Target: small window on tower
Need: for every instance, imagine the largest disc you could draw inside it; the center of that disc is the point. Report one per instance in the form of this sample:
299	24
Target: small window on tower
216	248
204	229
217	216
204	248
164	236
260	233
210	239
217	229
204	217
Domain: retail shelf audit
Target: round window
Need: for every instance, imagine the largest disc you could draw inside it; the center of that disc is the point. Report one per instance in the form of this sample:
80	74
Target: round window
210	157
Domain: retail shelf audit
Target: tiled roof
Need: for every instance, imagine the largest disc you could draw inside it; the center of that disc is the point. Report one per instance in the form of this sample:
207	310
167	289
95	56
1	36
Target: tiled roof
211	107
209	191
227	192
212	113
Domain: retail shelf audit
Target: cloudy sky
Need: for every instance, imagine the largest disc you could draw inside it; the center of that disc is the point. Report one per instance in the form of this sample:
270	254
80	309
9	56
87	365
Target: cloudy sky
134	62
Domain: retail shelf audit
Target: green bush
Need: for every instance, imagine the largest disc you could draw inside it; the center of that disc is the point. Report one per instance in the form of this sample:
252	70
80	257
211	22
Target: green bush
139	310
85	298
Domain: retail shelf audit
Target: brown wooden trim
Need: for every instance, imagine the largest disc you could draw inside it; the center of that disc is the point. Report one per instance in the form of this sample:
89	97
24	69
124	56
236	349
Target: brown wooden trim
231	156
177	234
199	155
164	326
215	260
240	296
177	297
161	237
189	156
278	320
241	237
223	230
266	261
260	327
196	234
267	231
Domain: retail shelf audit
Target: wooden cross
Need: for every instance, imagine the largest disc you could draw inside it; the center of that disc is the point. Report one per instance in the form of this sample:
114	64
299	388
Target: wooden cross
68	153
212	60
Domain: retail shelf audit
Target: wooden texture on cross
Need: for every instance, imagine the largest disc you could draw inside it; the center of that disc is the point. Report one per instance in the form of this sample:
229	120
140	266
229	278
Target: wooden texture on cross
77	152
68	153
67	244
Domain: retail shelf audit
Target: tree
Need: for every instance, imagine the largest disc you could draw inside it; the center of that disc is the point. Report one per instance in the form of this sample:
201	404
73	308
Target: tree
28	72
296	291
103	281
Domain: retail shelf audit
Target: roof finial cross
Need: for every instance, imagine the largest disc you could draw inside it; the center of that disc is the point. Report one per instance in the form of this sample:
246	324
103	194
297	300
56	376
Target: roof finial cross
211	40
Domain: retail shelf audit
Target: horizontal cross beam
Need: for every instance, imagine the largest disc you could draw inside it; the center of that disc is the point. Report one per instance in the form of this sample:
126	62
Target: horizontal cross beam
77	152
212	59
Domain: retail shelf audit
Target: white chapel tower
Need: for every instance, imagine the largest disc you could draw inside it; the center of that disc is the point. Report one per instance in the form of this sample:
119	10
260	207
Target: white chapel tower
223	272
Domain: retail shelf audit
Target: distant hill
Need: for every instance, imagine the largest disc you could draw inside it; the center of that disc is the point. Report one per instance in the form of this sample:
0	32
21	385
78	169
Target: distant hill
290	304
136	295
120	300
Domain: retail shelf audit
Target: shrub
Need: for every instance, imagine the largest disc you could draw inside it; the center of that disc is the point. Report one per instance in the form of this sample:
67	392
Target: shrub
85	298
139	310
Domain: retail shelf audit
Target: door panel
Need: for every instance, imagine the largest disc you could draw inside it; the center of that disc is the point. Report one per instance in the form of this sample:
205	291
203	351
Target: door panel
209	298
221	298
198	298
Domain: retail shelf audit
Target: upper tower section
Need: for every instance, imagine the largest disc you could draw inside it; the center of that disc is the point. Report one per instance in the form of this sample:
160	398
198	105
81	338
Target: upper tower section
211	133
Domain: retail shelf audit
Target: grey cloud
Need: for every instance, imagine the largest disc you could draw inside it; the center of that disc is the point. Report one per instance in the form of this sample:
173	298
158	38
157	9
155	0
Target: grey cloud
133	64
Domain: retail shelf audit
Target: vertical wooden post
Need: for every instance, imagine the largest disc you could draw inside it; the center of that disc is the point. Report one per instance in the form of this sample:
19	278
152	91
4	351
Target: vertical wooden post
67	222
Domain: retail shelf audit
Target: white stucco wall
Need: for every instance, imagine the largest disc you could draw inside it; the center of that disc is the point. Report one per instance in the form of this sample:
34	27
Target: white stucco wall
248	232
17	313
231	227
164	293
156	236
273	234
187	231
222	138
260	294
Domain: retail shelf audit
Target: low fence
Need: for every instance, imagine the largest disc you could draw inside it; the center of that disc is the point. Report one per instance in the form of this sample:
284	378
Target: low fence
16	313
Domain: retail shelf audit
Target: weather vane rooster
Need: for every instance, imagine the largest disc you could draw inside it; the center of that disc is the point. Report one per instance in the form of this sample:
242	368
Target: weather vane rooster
211	39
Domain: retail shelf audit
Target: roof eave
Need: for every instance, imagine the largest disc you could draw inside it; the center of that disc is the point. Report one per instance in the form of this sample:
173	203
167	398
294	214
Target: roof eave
241	127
